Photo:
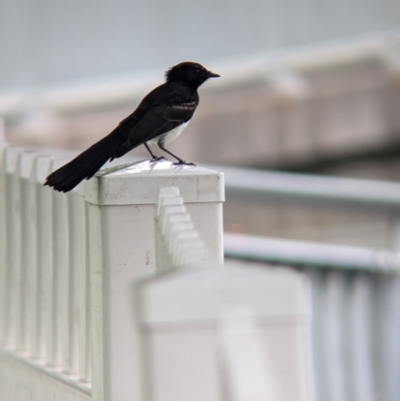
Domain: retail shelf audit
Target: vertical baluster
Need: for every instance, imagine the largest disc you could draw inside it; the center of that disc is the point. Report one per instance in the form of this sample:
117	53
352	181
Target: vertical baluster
3	244
334	336
318	305
361	339
28	276
77	265
387	331
389	319
51	296
85	334
59	325
13	247
44	245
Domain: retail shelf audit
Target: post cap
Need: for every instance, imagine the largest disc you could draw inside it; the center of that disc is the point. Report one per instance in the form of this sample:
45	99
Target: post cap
203	294
139	183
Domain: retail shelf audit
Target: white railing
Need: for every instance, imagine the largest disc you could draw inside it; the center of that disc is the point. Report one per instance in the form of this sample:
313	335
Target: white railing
67	262
44	294
70	324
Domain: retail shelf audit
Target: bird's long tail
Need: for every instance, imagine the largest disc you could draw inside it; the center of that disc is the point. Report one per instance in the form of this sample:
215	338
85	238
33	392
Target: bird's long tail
84	165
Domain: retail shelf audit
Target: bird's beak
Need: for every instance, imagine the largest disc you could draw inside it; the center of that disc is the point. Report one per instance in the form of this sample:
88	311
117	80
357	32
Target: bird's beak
212	75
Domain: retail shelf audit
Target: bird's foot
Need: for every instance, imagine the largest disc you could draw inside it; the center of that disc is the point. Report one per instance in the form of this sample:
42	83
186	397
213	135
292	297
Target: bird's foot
182	162
157	159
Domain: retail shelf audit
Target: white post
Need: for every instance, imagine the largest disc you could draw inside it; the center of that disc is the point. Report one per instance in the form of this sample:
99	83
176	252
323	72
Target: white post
197	345
121	230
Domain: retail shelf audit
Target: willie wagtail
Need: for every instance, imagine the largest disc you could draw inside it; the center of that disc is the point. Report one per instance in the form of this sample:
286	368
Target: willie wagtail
160	118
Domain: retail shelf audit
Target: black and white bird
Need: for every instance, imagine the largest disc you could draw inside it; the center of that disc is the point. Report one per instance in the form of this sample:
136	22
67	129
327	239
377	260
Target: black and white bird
160	118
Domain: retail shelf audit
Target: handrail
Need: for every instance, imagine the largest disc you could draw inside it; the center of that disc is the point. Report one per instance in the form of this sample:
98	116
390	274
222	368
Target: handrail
271	185
308	254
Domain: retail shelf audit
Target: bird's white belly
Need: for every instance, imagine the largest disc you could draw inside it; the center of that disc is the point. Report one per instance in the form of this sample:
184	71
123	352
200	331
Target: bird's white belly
170	136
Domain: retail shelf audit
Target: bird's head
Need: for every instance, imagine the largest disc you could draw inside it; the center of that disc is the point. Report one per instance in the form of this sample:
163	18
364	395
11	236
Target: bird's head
189	73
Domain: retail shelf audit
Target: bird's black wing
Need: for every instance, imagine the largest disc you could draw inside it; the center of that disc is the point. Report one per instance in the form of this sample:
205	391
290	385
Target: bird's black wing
158	120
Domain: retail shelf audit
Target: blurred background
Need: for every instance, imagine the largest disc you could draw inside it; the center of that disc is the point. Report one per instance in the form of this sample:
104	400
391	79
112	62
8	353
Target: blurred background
309	91
306	87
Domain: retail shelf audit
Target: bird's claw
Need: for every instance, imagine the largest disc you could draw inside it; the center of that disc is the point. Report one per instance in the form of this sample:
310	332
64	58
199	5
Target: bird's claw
182	162
157	159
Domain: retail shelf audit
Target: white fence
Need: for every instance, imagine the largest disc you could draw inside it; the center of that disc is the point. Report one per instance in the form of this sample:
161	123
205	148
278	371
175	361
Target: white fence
73	326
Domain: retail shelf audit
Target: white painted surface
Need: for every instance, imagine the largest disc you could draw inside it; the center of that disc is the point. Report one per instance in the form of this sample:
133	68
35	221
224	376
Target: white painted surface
39	358
249	371
25	380
121	213
179	317
178	243
196	184
55	313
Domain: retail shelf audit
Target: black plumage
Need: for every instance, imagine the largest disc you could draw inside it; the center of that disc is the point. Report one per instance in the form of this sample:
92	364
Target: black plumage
159	118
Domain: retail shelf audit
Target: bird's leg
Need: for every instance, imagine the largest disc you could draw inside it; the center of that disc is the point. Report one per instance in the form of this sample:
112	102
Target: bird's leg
154	158
180	161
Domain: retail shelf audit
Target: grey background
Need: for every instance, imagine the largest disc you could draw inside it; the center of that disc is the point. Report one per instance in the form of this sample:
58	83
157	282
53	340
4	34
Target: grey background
45	41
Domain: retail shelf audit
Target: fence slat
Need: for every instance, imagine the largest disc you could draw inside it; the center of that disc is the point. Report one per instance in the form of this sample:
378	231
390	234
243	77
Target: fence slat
318	313
13	249
44	246
361	321
85	339
336	369
28	268
60	285
3	244
76	280
387	332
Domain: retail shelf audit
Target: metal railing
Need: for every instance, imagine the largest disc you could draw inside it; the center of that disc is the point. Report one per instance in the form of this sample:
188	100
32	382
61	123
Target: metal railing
310	189
355	290
315	208
355	309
